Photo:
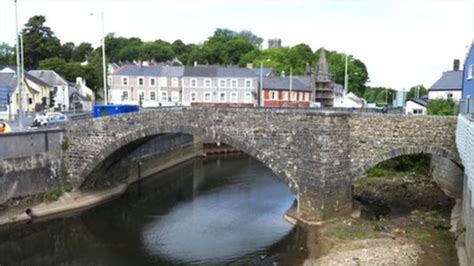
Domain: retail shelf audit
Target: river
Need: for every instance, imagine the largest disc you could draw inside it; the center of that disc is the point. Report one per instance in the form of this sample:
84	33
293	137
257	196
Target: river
214	211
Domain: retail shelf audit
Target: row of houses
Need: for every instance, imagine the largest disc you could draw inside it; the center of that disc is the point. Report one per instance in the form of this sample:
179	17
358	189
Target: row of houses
44	90
164	85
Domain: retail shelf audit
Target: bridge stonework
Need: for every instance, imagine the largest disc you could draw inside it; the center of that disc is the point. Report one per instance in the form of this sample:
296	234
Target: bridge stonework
317	154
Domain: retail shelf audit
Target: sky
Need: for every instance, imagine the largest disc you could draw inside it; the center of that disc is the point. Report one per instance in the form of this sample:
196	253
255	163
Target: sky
402	42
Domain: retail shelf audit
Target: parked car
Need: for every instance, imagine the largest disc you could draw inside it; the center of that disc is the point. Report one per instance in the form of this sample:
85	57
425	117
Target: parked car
57	120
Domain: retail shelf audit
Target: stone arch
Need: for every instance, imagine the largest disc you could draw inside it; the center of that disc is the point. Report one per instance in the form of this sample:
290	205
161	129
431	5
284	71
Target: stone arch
396	152
108	149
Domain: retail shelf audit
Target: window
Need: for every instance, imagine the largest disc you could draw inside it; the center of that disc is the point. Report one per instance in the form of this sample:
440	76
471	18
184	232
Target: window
417	111
207	83
207	97
222	83
152	81
449	95
174	82
193	96
164	96
470	72
163	82
233	83
175	96
194	83
284	96
141	95
109	80
222	97
248	97
233	97
248	83
124	95
152	95
300	96
141	81
124	81
274	95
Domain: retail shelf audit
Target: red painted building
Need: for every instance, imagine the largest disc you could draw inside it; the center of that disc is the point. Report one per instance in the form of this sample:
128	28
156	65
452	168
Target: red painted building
277	93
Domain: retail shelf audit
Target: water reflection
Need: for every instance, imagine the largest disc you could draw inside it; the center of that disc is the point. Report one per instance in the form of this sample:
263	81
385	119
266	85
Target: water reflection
218	211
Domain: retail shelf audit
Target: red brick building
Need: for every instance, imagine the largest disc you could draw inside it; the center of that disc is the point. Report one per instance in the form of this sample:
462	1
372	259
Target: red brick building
277	92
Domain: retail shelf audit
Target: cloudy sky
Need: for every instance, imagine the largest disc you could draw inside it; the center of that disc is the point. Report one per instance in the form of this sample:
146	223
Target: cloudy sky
402	42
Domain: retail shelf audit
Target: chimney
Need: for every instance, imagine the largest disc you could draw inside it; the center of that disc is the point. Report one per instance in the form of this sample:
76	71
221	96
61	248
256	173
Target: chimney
195	63
456	65
249	65
283	74
79	80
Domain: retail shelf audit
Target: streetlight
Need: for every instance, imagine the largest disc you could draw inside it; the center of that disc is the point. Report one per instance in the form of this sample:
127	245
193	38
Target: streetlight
260	102
103	59
18	70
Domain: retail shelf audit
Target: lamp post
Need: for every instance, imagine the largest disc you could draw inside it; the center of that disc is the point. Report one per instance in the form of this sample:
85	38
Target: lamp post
18	70
346	76
104	67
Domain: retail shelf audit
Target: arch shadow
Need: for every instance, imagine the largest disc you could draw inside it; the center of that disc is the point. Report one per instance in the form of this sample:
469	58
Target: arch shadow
357	173
108	149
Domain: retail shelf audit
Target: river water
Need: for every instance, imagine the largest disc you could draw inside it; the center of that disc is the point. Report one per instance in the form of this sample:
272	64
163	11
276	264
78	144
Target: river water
222	210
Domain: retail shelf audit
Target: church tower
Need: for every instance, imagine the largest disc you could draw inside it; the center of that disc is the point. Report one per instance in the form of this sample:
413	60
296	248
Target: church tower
324	92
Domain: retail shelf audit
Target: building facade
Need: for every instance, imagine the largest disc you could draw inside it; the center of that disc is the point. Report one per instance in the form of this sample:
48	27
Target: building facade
449	85
468	74
220	86
286	92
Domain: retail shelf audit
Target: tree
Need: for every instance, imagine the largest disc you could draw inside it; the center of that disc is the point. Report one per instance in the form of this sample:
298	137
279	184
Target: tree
158	51
442	107
67	51
39	42
6	54
252	38
422	91
82	52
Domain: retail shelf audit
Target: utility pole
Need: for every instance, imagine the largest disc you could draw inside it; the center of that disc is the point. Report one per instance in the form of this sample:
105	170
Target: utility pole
103	61
260	94
18	70
346	76
291	82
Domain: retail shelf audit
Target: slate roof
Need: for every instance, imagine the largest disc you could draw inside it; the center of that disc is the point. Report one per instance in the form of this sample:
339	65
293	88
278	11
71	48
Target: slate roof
7	86
235	72
134	70
450	80
419	101
49	77
280	83
172	71
267	72
200	71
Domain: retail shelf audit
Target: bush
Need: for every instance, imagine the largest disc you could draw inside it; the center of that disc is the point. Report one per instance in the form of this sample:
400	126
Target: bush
443	107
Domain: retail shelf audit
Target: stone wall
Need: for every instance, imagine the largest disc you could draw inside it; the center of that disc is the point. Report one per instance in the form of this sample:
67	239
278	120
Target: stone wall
318	154
448	175
30	163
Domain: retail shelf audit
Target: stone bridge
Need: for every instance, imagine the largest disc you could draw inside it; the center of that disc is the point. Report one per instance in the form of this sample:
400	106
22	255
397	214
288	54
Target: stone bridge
318	154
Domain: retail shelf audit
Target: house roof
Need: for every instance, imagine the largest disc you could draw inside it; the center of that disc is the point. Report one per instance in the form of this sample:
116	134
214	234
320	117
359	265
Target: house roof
283	83
235	72
200	71
450	80
145	71
49	77
172	71
267	72
419	101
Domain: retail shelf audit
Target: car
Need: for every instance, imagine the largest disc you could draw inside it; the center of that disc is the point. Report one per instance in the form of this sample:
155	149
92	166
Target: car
57	120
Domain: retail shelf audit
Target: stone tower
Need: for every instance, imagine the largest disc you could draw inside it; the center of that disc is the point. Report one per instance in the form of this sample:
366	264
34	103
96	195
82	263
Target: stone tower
324	92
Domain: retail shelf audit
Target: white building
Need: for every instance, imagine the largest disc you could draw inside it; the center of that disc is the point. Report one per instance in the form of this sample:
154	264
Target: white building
448	86
349	100
416	107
